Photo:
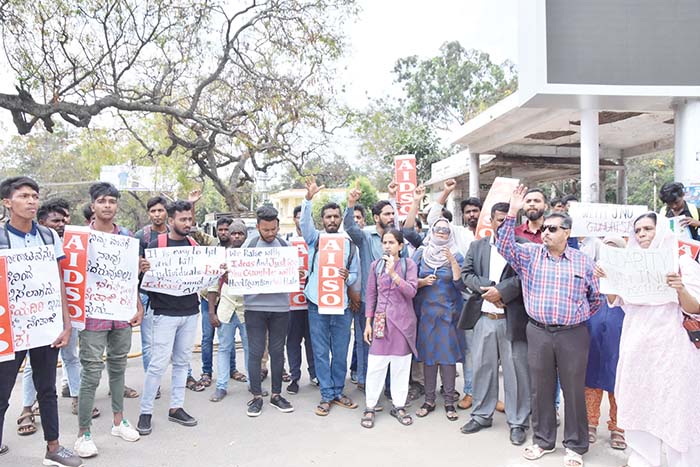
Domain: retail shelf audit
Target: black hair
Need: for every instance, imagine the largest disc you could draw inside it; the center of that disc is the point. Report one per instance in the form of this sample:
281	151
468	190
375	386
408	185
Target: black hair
565	219
223	220
156	200
650	215
12	184
470	202
671	191
554	201
331	205
103	189
537	190
266	213
178	206
297	210
378	206
59	203
419	223
87	212
48	207
361	208
499	207
568	198
447	214
396	233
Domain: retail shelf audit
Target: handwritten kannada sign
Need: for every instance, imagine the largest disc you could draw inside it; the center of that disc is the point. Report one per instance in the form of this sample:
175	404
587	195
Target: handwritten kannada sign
500	192
405	175
263	270
297	300
331	286
599	220
30	299
638	275
183	270
101	275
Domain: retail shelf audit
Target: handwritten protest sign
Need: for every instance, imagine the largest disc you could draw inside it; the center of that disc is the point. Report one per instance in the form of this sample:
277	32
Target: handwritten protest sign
637	275
183	270
101	275
331	287
405	175
263	270
297	300
500	192
599	220
30	299
688	247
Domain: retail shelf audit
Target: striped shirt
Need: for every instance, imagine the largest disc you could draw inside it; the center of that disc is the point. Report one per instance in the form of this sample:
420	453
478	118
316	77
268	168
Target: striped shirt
557	290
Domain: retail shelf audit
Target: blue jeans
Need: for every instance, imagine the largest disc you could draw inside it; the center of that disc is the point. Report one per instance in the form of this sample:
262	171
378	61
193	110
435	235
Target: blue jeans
173	339
467	362
227	346
361	346
330	338
146	331
207	340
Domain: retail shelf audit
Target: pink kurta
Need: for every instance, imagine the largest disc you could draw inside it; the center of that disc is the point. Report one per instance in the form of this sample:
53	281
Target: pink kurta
658	374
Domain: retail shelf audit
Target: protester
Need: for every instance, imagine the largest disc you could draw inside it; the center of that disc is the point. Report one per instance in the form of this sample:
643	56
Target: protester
330	334
534	208
560	294
266	317
174	329
390	328
101	335
556	205
88	215
20	196
498	313
605	328
658	367
223	316
673	195
355	296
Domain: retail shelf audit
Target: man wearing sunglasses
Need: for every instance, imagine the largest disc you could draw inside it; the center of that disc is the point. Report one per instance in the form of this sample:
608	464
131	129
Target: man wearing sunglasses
560	294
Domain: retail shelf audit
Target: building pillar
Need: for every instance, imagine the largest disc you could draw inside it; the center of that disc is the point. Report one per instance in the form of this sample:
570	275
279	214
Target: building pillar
590	177
687	141
474	175
621	175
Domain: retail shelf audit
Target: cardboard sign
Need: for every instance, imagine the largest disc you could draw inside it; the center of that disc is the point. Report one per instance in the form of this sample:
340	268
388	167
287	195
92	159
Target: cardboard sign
263	270
183	270
500	192
101	275
599	220
30	299
331	287
297	300
688	247
638	275
405	176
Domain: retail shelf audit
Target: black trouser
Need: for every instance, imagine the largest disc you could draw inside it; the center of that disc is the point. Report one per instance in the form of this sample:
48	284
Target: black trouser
44	374
298	330
564	351
258	324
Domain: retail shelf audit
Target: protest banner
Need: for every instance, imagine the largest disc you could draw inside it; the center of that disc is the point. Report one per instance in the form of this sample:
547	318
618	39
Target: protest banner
500	192
331	287
101	275
31	313
263	270
183	270
599	220
688	247
406	178
297	300
638	275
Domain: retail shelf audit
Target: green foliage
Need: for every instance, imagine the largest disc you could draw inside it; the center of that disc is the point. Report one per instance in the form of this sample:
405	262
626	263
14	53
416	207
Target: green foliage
369	196
645	172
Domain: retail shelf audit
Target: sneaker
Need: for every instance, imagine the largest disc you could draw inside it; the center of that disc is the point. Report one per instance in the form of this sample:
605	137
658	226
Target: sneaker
293	387
281	403
353	377
65	391
254	407
84	446
315	382
181	417
125	431
144	425
63	458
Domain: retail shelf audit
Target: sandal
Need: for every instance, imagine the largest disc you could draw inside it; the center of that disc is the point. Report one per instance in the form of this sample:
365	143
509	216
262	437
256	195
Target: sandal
402	416
35	409
573	459
534	452
26	425
286	377
4	449
194	385
74	408
451	413
367	419
323	408
593	434
130	393
424	410
345	401
205	380
617	440
238	376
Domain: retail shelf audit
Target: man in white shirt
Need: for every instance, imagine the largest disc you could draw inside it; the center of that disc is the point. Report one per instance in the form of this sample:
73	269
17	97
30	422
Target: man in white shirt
471	210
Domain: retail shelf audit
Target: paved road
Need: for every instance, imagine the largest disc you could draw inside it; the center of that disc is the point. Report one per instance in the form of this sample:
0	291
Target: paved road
225	436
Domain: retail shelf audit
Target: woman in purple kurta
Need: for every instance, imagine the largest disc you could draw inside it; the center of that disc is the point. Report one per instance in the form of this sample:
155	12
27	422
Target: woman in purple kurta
391	327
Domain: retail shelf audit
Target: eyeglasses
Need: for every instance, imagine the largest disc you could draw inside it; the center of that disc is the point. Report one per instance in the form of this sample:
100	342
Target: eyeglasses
441	230
553	228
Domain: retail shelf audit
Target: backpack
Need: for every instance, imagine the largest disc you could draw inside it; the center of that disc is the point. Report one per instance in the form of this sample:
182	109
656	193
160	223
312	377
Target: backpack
380	267
163	241
44	232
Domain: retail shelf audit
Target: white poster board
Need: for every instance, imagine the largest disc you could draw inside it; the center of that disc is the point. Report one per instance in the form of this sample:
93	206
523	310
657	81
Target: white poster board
599	220
263	270
183	270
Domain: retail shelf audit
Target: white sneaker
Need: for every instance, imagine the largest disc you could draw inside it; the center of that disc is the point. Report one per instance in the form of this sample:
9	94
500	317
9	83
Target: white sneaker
125	431
84	446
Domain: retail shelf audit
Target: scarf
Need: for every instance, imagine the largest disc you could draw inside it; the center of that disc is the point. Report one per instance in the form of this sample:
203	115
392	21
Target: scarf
434	254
